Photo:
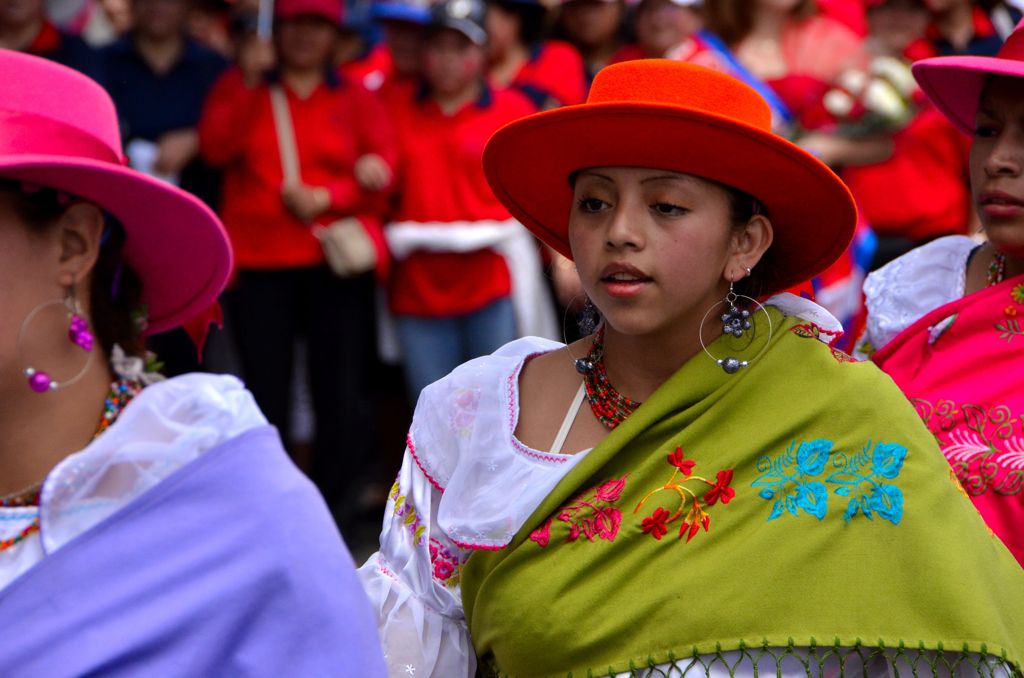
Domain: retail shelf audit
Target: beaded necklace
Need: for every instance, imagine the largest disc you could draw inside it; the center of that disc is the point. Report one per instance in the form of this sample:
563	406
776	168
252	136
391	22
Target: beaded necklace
22	497
997	269
121	393
609	406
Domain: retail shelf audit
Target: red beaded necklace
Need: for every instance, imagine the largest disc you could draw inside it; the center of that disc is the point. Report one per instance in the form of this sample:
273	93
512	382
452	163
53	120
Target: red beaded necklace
121	393
609	406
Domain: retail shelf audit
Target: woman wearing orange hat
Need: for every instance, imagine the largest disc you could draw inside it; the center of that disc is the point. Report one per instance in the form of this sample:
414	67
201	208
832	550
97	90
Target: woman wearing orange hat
945	319
734	495
148	526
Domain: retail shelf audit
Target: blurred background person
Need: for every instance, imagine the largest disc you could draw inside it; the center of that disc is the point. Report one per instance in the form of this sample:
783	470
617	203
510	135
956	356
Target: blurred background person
550	72
110	20
392	67
451	289
284	290
209	24
663	29
158	78
970	27
24	27
921	192
595	28
795	55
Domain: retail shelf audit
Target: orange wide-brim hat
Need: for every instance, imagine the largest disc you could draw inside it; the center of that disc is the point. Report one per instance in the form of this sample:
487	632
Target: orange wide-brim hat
680	117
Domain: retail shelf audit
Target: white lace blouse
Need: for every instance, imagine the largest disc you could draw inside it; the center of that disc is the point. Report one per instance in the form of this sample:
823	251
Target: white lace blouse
907	288
167	425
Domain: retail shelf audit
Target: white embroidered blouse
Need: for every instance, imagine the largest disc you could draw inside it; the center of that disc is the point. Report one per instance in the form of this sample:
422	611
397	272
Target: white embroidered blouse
907	288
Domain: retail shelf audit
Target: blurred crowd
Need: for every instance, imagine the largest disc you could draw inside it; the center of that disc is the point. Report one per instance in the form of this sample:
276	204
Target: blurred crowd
341	146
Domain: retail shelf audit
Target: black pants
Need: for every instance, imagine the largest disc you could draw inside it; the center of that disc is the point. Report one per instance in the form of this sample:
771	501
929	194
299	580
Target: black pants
336	317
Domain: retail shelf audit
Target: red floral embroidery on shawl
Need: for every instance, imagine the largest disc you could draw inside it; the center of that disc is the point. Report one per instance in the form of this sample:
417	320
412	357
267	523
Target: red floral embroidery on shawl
591	515
697	517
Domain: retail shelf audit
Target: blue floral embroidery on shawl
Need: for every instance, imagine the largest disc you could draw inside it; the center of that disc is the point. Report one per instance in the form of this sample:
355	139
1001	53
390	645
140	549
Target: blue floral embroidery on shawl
791	480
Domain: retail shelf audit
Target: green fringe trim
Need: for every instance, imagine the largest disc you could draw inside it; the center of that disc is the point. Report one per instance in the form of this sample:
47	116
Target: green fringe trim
817	661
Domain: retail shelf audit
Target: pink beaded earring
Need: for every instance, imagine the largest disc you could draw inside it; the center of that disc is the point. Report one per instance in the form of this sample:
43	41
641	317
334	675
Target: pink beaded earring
78	334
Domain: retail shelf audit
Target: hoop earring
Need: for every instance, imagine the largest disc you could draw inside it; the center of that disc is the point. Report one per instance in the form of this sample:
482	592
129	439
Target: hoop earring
735	321
78	334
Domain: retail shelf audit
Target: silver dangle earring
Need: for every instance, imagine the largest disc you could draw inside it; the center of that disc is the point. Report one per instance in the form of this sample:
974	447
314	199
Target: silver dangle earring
735	321
78	333
588	318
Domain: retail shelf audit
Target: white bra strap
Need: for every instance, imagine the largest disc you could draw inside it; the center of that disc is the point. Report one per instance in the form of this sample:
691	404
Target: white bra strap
570	417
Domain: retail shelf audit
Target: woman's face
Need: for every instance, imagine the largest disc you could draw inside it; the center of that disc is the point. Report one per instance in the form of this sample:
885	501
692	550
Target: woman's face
591	23
652	247
306	42
997	164
452	62
29	277
19	13
503	27
662	24
405	42
159	19
898	23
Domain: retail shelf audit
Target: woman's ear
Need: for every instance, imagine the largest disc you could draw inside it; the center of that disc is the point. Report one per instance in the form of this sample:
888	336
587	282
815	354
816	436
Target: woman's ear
80	234
749	245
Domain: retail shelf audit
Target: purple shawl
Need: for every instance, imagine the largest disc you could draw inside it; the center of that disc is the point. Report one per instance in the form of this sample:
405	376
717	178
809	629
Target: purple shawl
231	566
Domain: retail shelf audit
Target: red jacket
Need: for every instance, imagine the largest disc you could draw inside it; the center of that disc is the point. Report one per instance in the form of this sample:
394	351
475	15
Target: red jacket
922	191
338	123
442	183
556	72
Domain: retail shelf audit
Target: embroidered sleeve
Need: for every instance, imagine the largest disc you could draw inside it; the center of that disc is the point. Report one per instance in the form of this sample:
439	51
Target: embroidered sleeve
413	583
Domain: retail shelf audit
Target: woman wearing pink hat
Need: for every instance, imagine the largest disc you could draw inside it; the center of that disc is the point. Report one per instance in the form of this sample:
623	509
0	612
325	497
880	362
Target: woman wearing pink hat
945	320
704	486
147	526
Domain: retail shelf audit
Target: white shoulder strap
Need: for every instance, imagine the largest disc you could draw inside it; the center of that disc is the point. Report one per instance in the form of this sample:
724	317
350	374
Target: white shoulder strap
286	145
570	417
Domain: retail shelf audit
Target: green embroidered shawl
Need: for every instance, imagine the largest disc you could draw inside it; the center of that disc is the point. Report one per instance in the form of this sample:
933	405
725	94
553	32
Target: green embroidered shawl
798	503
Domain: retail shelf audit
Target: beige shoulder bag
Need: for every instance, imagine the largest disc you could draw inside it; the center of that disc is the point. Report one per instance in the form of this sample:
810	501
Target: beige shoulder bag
347	247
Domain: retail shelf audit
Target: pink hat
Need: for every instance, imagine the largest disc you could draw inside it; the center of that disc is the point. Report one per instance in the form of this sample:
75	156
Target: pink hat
59	129
954	84
326	9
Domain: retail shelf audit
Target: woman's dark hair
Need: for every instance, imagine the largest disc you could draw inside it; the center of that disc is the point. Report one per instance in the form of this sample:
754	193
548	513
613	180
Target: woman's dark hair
116	292
732	20
742	207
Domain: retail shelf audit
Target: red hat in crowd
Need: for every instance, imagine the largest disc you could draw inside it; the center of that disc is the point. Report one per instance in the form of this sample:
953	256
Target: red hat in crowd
330	10
684	118
954	84
59	129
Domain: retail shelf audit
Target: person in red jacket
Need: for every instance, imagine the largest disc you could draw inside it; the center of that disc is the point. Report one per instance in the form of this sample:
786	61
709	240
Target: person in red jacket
663	29
450	285
393	66
550	72
284	288
920	192
595	28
